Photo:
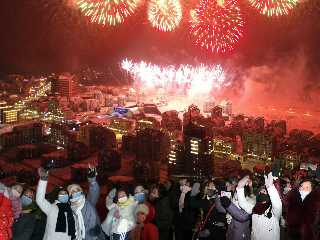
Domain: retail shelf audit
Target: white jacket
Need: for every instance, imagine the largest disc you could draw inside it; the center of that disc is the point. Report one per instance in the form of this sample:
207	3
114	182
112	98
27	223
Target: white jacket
51	210
125	223
264	228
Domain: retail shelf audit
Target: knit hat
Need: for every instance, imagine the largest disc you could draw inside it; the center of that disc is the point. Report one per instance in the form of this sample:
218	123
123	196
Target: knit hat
143	208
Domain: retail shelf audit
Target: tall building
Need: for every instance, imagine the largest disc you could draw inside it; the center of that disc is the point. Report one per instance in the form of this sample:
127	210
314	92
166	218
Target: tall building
10	116
98	137
226	106
258	146
176	157
22	134
152	148
3	107
198	156
66	85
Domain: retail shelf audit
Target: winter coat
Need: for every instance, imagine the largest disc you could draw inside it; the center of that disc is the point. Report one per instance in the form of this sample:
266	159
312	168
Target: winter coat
126	221
51	210
303	217
16	204
6	218
149	231
239	228
24	226
164	213
186	219
216	221
264	228
90	216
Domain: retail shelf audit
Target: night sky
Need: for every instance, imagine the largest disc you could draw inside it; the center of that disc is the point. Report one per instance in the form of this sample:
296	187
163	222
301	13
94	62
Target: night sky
52	35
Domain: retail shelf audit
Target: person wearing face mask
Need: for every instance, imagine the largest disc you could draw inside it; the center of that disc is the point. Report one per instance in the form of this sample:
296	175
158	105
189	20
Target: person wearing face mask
123	217
60	221
239	227
303	212
24	226
266	213
87	221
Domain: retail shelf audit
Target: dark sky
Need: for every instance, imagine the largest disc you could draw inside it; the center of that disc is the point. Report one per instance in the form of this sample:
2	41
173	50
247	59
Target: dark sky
51	35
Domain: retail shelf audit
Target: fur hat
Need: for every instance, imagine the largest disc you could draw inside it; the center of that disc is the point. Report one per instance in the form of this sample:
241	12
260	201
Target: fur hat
143	208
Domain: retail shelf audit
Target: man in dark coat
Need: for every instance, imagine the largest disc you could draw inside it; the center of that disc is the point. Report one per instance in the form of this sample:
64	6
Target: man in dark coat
303	212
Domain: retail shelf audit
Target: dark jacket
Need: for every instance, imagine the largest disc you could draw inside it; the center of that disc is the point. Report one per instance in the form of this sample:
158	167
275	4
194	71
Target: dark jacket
216	221
164	213
24	226
30	225
303	217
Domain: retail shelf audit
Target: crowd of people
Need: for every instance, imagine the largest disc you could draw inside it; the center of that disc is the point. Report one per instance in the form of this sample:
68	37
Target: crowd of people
252	206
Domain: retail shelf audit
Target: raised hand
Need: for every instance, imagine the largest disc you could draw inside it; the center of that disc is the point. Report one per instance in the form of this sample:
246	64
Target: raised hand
243	182
43	174
268	180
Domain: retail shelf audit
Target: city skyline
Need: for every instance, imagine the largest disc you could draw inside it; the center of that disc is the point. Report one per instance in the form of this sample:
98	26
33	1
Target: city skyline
44	36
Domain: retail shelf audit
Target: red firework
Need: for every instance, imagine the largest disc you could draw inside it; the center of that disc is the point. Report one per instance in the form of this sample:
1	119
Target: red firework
217	25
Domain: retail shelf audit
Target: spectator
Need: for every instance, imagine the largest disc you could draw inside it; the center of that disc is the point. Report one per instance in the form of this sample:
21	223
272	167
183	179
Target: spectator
25	225
267	211
303	212
87	221
163	213
123	218
144	230
6	216
60	220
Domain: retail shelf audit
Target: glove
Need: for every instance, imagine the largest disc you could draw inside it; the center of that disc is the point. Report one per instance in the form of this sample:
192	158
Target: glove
92	172
204	233
268	180
43	174
225	202
243	182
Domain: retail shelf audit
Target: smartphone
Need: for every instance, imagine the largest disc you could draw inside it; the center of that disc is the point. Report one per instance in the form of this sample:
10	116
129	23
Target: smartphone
226	194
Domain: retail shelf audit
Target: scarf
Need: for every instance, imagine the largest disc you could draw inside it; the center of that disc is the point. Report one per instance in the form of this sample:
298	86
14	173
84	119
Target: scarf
181	202
127	203
79	222
260	208
61	225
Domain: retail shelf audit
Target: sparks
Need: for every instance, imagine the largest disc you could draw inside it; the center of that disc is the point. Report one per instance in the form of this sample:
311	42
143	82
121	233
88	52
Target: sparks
108	12
164	15
273	7
185	79
217	25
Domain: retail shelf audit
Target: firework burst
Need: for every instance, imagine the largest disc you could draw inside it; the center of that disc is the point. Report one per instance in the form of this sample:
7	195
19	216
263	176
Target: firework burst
165	15
191	80
217	25
273	7
108	12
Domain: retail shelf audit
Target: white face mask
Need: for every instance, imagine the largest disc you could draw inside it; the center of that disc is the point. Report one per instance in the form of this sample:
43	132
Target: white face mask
303	194
122	199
